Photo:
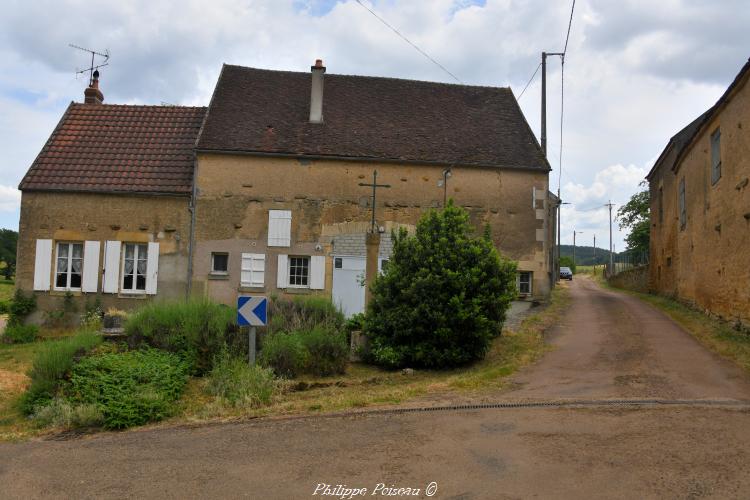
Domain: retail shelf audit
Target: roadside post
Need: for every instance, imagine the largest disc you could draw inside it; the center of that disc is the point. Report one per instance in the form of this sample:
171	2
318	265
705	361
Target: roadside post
251	312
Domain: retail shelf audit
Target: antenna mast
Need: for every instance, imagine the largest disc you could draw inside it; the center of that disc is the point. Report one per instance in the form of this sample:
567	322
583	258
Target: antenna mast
93	67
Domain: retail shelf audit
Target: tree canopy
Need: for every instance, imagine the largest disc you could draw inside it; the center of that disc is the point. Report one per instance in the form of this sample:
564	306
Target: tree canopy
635	217
443	296
8	242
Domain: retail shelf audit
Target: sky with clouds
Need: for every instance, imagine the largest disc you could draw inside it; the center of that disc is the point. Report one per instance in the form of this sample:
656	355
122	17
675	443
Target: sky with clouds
636	70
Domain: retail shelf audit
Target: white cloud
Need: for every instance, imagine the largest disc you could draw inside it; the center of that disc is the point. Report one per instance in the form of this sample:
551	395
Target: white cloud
10	199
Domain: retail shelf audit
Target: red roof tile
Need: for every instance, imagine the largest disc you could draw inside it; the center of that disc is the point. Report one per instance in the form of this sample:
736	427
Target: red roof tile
119	148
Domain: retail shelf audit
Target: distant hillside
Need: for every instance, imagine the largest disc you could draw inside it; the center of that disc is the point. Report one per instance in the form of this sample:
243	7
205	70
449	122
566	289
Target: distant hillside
585	255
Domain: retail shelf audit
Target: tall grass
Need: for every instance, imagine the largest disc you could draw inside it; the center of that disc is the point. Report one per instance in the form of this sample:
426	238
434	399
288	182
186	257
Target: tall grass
52	364
234	382
304	313
196	330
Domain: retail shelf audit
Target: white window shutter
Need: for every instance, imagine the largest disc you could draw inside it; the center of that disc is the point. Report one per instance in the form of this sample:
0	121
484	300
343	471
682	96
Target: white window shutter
90	281
279	228
152	268
317	272
42	264
282	272
253	269
110	281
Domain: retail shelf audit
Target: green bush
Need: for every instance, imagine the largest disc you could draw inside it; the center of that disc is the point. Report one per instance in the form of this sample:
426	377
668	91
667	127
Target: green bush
566	261
129	388
197	330
443	296
20	306
284	353
327	351
303	314
52	365
20	334
61	413
235	382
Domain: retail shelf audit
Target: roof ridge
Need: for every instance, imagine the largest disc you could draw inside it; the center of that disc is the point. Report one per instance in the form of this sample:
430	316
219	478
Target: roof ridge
162	106
373	77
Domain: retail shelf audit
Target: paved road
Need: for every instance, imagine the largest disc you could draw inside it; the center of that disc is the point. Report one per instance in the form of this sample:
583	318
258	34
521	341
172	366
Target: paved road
611	346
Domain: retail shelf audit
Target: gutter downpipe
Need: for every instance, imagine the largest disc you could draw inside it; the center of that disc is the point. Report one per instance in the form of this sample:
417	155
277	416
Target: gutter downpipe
191	244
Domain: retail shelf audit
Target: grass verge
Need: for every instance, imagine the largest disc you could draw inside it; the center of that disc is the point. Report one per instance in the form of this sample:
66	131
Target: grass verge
366	386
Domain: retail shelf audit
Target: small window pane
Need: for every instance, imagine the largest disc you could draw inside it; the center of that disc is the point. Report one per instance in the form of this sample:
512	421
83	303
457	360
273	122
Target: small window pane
220	262
75	280
61	281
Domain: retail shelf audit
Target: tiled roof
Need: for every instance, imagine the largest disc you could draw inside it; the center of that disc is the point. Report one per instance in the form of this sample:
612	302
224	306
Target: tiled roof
118	148
385	119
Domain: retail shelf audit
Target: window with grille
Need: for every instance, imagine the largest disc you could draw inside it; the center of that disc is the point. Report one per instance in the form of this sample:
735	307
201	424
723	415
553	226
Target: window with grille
524	282
69	267
299	271
134	263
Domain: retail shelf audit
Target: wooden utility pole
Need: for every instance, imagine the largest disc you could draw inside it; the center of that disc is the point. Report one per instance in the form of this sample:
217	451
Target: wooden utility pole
372	239
611	256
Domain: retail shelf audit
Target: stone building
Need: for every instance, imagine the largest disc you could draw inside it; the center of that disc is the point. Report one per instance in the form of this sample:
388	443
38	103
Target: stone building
105	206
281	157
261	193
700	209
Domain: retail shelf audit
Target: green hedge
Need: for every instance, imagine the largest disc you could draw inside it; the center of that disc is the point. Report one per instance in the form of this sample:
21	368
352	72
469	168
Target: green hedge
320	351
20	334
129	388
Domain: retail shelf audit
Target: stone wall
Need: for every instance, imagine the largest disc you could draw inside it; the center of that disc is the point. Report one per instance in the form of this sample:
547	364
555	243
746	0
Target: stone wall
635	279
75	217
236	192
706	262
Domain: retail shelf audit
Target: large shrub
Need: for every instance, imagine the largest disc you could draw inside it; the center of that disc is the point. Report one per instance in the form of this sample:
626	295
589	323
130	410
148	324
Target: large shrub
284	353
52	365
195	330
443	296
20	306
17	333
235	382
304	313
327	351
129	388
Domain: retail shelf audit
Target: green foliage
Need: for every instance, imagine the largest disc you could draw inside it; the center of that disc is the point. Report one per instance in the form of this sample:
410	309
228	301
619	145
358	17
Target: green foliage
566	261
62	413
235	382
635	215
20	306
197	330
20	334
129	388
355	323
284	353
8	243
443	296
327	351
304	313
52	365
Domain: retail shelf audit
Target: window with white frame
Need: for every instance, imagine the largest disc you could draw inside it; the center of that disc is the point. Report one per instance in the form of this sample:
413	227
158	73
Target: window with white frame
253	269
299	272
716	156
69	267
524	282
134	264
219	263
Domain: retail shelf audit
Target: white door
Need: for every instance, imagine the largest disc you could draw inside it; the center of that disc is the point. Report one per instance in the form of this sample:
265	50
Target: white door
348	284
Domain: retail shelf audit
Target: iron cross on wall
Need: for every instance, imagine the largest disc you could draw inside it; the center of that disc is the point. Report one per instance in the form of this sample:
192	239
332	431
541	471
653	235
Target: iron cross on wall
374	186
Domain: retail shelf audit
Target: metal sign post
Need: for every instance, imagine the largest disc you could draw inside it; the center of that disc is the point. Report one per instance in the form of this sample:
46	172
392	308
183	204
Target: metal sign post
252	312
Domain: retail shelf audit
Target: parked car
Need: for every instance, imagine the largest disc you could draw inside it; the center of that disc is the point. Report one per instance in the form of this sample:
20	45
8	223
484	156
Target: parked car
566	273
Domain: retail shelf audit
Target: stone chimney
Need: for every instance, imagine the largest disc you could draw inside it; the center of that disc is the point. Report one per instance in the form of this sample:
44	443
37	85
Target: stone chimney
316	92
92	95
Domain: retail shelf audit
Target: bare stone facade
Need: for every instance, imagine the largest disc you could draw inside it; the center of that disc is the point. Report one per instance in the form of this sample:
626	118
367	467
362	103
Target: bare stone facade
699	254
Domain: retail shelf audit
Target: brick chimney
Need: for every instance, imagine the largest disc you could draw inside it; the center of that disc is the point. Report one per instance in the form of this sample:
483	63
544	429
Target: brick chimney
92	95
316	92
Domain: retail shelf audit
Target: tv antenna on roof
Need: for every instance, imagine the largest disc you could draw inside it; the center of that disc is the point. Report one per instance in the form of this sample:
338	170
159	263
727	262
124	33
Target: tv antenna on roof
93	67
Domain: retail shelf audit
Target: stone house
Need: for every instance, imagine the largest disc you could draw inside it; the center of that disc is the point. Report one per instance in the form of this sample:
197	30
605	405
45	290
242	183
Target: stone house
105	206
281	157
700	209
261	194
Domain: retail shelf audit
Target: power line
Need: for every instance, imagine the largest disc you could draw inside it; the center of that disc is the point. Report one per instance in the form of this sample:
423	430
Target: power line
529	82
408	41
570	23
562	93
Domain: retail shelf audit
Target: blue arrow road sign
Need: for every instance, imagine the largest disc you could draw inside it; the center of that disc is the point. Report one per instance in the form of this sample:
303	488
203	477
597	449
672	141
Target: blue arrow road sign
251	311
